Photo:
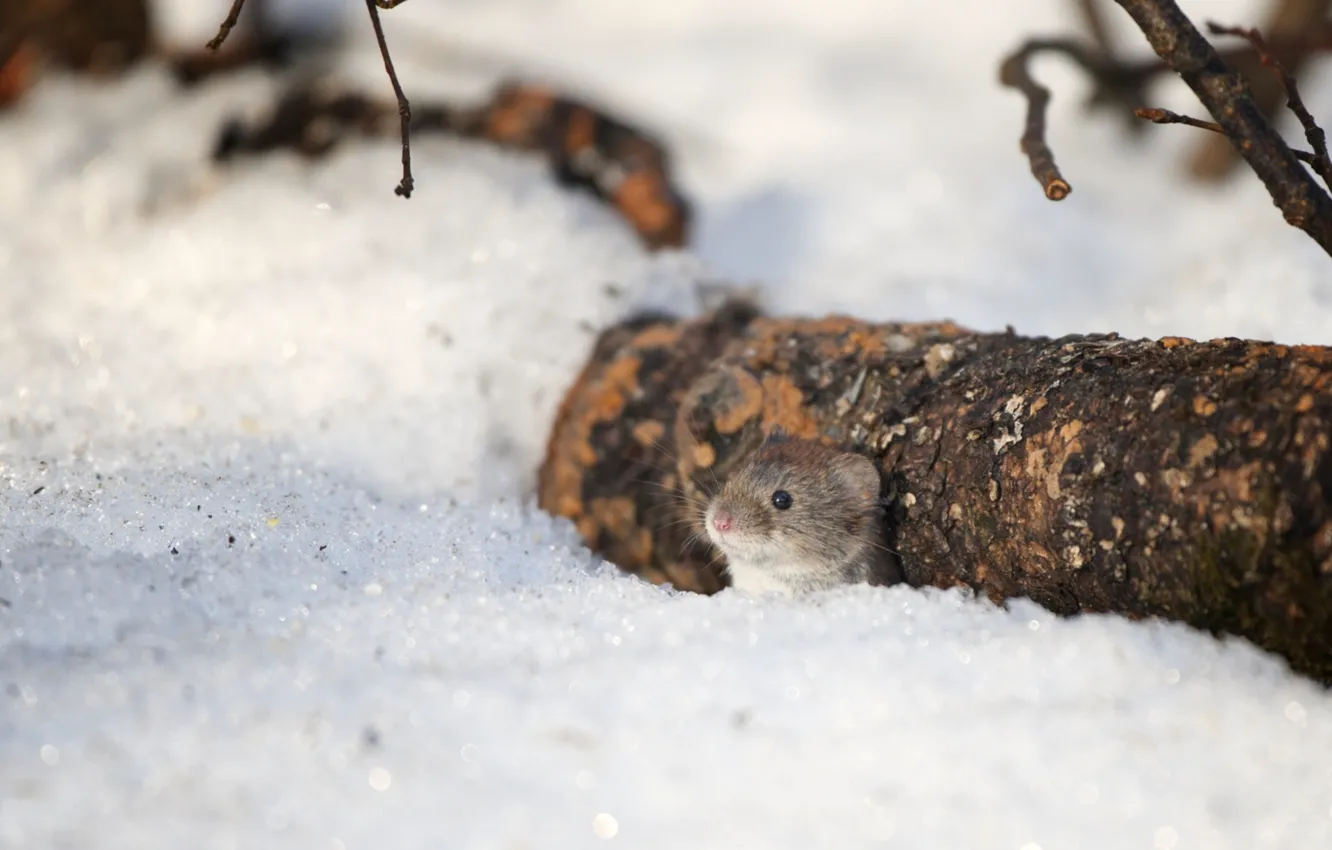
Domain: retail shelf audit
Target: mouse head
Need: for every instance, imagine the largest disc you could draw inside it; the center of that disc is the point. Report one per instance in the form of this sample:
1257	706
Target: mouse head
795	502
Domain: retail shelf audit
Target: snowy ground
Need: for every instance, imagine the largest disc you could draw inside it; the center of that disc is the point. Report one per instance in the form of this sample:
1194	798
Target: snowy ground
269	573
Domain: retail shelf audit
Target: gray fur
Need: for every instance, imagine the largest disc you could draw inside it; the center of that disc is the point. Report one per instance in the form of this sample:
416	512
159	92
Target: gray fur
833	533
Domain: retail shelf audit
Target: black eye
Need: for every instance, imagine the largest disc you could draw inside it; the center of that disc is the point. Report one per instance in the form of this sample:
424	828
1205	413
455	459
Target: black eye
781	500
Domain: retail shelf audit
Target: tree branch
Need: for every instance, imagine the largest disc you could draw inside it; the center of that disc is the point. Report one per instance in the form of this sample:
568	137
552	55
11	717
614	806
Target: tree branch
1215	158
405	186
1015	74
1225	95
1317	138
1165	116
586	147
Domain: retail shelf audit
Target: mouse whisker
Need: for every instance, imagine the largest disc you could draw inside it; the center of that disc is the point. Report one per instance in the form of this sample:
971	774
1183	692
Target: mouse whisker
674	491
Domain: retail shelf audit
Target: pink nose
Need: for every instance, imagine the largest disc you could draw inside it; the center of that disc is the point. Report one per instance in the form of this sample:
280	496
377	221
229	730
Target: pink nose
722	521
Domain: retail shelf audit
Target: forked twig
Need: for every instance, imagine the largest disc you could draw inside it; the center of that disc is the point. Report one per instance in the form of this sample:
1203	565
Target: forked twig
405	186
1183	49
1165	116
1321	163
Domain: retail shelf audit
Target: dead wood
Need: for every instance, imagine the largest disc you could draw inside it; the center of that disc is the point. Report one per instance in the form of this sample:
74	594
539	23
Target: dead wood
1014	74
1223	92
92	37
406	184
1289	20
586	147
1172	478
1322	165
1165	116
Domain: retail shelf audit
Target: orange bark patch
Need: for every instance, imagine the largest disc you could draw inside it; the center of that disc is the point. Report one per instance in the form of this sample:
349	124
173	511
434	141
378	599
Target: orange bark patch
1175	342
519	113
658	336
649	433
582	131
642	197
704	455
618	516
783	407
15	75
746	402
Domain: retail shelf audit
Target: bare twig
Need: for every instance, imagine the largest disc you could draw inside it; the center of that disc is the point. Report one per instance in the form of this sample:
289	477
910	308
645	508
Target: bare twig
1165	116
1172	35
1317	138
1014	73
227	25
1215	158
1118	83
1295	192
404	188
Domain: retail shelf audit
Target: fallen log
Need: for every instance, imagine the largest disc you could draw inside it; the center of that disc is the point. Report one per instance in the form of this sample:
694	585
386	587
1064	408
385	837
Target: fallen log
1172	478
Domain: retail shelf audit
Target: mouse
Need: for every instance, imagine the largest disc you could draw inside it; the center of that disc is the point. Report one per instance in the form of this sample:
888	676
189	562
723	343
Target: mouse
797	516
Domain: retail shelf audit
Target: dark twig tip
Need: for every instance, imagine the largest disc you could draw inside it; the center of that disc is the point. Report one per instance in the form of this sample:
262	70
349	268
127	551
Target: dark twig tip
227	25
405	186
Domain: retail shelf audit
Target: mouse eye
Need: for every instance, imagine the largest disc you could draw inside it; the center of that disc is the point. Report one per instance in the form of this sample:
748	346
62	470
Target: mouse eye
781	500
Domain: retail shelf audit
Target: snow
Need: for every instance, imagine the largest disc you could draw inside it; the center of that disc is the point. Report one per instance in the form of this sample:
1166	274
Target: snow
270	570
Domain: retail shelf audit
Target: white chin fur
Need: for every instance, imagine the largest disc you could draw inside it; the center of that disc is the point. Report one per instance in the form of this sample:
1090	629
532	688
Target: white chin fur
748	578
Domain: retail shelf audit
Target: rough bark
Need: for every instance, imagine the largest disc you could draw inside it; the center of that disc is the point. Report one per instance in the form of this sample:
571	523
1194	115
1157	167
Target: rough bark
1173	478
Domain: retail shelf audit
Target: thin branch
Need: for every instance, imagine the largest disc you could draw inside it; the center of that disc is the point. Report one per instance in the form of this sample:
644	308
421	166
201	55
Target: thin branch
1295	192
1165	116
404	188
1118	84
1015	74
1317	138
1215	158
227	25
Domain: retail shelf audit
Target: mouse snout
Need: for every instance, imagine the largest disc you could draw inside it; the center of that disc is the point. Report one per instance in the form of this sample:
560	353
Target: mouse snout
722	521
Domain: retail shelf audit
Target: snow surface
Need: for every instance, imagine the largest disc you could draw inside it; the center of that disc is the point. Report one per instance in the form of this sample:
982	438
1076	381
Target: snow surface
270	575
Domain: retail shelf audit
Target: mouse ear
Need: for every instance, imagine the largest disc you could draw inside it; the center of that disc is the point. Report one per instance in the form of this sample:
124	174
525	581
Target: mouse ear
858	472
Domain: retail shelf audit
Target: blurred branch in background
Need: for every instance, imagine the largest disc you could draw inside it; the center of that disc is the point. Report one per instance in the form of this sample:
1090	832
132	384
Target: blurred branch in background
586	147
100	37
106	37
1222	91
